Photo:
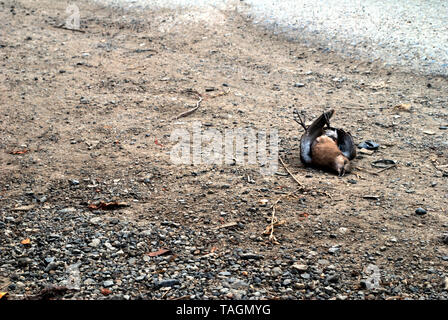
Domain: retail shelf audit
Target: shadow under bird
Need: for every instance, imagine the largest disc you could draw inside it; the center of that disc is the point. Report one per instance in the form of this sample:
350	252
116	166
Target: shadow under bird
325	147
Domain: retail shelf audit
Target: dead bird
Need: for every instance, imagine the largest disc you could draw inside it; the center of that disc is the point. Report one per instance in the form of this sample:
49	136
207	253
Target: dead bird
325	147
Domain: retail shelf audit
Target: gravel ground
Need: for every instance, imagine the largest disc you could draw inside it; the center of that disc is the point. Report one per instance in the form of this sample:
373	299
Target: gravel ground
97	255
413	34
86	117
112	254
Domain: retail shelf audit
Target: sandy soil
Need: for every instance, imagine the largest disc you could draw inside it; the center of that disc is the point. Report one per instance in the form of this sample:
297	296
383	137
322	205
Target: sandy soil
96	106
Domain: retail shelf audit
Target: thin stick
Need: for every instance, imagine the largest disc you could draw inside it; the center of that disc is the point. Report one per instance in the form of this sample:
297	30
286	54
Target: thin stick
62	26
163	296
273	220
136	67
286	168
226	225
327	194
384	169
187	113
181	298
364	170
4	286
299	119
438	167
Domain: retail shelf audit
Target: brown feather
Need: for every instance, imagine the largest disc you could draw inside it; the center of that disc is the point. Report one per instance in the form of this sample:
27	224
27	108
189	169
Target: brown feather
325	153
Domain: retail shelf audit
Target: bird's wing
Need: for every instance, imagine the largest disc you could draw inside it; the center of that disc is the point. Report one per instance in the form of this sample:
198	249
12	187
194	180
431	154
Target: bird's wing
346	144
312	132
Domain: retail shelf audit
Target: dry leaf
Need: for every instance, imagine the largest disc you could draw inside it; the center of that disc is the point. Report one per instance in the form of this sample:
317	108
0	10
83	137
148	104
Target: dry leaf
105	291
226	225
269	227
366	151
159	252
2	294
49	293
24	208
19	151
304	214
403	107
158	143
26	241
378	85
108	205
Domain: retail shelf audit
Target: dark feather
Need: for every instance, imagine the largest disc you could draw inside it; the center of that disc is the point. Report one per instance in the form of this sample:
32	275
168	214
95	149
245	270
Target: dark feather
321	126
316	129
346	144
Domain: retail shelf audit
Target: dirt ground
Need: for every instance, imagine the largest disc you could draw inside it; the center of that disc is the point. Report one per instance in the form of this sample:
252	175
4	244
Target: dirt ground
97	107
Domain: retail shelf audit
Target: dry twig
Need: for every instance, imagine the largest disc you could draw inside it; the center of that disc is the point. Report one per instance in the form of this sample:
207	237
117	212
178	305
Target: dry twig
63	26
387	168
180	298
367	171
274	220
187	113
286	168
226	225
439	167
163	296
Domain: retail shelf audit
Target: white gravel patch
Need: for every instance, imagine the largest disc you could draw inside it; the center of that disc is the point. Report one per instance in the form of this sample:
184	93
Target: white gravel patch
410	33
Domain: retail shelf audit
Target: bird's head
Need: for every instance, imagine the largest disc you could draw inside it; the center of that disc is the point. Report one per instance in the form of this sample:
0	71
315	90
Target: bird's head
342	165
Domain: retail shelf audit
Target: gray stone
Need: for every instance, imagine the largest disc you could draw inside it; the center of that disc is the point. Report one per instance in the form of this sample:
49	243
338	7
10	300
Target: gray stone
276	271
74	182
96	220
305	276
333	249
247	256
108	283
420	211
287	282
168	283
95	243
300	267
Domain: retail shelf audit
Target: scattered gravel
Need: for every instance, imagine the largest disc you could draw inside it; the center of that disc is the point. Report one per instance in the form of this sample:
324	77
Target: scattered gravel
66	248
50	237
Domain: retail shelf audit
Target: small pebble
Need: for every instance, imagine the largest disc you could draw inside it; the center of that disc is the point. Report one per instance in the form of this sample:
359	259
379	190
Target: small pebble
108	283
74	182
168	283
333	250
420	211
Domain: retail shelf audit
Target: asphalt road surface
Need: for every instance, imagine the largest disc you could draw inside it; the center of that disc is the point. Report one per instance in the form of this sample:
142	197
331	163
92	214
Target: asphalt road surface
409	33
